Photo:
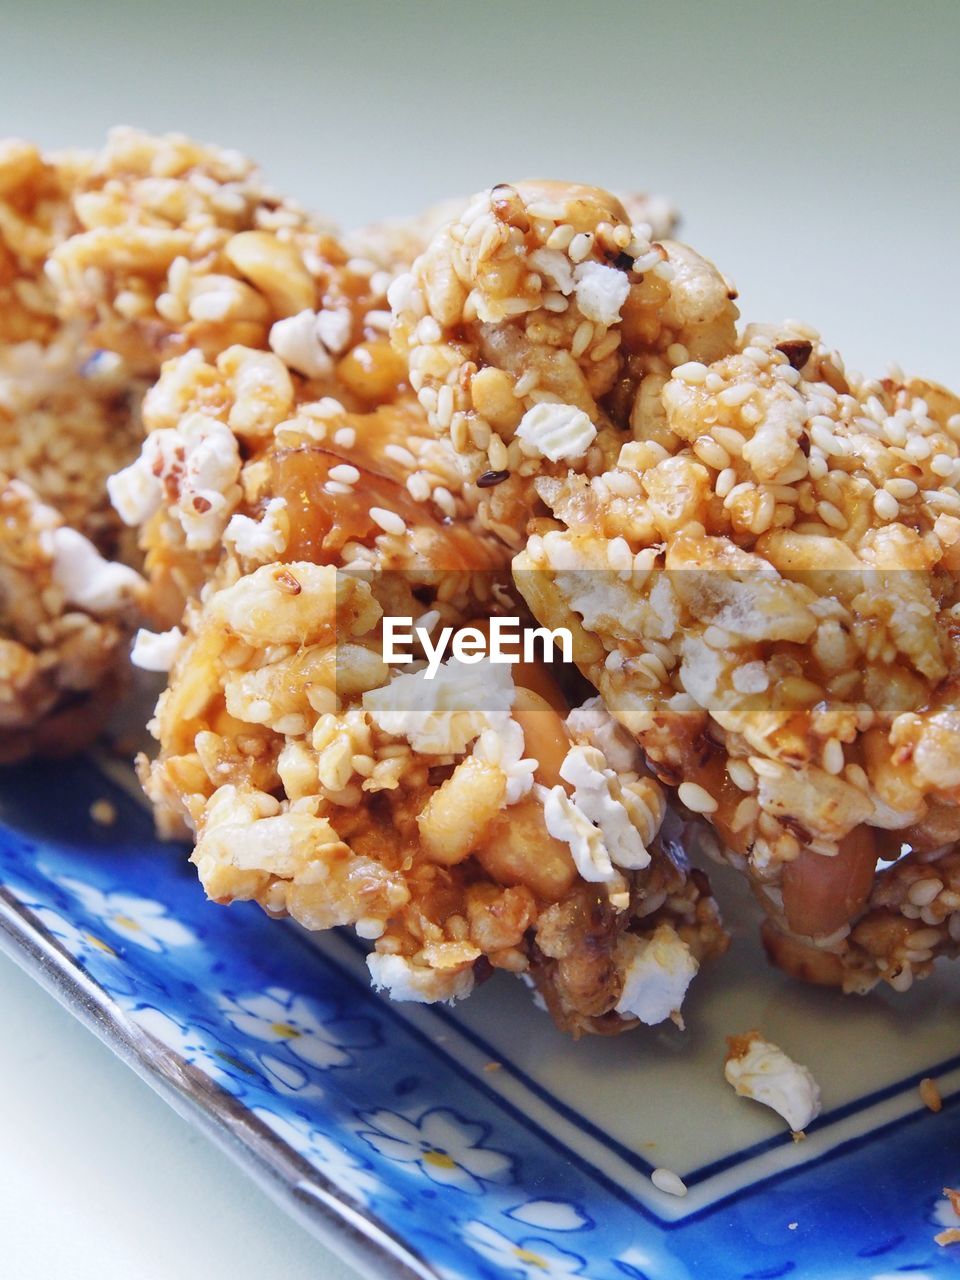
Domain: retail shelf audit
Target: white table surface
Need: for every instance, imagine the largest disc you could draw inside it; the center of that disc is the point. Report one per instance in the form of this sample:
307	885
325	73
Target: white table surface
815	151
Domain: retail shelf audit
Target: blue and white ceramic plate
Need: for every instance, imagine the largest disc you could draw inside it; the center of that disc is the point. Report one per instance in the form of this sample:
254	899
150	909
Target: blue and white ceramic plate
479	1143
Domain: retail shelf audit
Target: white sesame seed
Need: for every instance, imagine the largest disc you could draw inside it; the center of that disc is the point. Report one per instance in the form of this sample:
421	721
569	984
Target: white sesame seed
903	980
696	798
735	395
943	499
766	768
418	486
580	246
560	237
741	775
397	453
856	775
526	383
922	939
677	353
941	464
428	398
325	407
444	406
895	432
725	481
344	473
428	331
444	500
821	433
729	438
427	621
787	373
901	489
606	346
388	521
831	515
619	555
737	491
817	465
713	454
922	892
693	372
582	338
345	438
336	488
885	505
369	928
644	258
833	756
668	1181
745	814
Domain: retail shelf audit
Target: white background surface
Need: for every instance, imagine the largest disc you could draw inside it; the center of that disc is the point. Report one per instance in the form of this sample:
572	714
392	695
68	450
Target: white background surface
814	149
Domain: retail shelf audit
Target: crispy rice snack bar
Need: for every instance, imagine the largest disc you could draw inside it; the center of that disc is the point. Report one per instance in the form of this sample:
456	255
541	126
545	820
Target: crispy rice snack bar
65	615
250	492
152	247
764	592
323	784
111	263
539	327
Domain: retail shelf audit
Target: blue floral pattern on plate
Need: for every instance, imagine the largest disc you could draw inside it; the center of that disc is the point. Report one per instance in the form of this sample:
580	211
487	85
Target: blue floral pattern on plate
358	1113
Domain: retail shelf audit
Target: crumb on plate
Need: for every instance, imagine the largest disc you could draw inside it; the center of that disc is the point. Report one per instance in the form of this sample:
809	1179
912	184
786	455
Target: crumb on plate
669	1182
930	1094
762	1071
103	812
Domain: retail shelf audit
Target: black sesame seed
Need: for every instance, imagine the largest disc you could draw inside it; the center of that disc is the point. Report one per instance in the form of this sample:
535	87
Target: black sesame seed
490	478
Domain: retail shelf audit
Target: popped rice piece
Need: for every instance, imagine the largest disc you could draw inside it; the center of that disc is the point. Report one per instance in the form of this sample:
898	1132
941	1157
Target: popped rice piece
539	327
325	784
762	1071
65	614
763	591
